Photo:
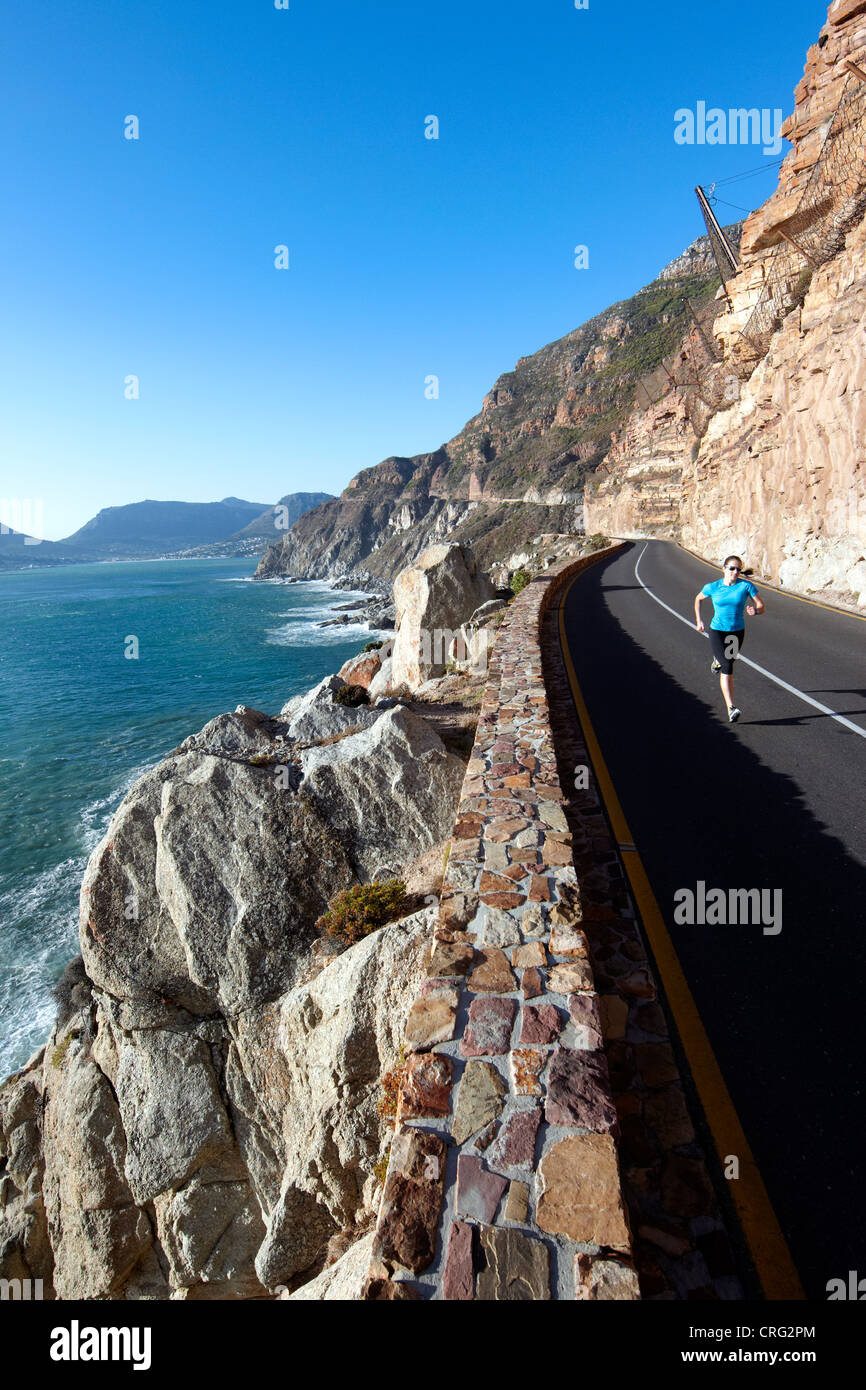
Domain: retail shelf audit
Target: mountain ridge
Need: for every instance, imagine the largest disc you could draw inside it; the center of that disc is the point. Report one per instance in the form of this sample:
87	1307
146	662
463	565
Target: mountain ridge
519	466
151	527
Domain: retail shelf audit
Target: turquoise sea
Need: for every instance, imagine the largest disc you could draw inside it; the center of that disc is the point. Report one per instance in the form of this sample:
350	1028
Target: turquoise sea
80	721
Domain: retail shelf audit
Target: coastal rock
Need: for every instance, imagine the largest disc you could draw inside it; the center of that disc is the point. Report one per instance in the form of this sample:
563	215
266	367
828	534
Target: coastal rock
202	1159
206	886
432	598
25	1248
101	1239
360	669
389	792
202	1121
319	716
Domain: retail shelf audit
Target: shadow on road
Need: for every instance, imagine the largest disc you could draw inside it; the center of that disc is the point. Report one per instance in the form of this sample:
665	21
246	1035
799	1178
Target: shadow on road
782	1011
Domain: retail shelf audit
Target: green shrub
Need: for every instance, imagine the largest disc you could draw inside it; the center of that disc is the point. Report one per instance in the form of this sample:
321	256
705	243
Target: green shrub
361	909
352	695
380	1168
60	1051
519	580
373	646
598	542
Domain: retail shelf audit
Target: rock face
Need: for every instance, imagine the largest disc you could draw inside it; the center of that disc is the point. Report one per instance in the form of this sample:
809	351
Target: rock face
205	1159
777	475
319	714
360	669
202	1120
433	598
210	867
389	792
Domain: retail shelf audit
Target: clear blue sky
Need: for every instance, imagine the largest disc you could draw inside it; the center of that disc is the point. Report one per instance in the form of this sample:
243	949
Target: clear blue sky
408	256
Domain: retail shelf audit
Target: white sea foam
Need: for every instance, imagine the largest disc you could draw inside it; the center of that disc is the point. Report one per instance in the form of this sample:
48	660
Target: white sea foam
31	960
309	634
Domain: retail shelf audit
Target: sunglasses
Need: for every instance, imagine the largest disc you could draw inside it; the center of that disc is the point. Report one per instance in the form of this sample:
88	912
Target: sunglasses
733	569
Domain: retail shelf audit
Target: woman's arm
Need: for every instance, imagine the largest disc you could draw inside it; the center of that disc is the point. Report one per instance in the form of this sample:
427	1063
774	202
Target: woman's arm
756	606
699	598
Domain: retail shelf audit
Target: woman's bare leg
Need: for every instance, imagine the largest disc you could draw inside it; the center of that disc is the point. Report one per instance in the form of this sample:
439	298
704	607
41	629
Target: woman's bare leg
727	684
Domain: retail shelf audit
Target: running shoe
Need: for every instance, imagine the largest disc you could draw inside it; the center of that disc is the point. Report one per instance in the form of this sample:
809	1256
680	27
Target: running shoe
715	665
734	714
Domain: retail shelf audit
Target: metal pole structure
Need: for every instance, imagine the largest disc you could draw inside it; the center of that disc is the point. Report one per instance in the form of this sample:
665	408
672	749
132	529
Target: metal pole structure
726	257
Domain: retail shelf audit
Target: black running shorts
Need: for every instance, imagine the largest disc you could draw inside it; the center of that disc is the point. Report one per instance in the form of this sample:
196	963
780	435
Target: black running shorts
726	648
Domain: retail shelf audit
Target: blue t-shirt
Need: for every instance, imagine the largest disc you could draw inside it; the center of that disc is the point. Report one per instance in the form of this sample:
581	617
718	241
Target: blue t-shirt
729	603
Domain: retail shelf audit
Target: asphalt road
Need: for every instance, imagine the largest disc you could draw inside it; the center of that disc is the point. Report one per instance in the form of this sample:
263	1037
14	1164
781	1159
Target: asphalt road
776	801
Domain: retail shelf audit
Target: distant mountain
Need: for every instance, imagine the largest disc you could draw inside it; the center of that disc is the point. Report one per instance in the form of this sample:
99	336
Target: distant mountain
19	551
279	518
157	528
142	530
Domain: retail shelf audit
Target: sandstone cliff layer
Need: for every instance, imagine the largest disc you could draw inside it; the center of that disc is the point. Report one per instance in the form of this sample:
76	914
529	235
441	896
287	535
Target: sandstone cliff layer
777	468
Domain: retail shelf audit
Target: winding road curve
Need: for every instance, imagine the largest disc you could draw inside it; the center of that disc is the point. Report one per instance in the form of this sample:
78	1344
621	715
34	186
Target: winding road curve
778	802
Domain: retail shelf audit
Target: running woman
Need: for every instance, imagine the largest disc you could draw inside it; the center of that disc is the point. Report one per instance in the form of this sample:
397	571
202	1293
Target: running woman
732	596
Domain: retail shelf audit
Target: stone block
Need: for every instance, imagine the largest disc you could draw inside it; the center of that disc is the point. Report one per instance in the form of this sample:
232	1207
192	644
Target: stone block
540	1024
578	1090
488	1027
425	1090
517	1267
581	1196
458	1279
431	1018
532	983
412	1200
492	974
479	1100
517	1203
532	954
478	1190
527	1064
604	1280
515	1147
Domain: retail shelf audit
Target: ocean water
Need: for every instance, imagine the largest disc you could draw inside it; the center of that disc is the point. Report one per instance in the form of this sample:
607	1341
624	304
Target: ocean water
80	721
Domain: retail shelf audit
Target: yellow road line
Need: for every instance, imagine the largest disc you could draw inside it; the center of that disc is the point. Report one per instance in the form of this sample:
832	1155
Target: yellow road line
768	1247
786	593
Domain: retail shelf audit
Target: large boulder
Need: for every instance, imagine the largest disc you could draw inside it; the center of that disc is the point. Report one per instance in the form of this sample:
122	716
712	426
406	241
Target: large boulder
319	714
390	791
149	1154
360	669
433	598
213	870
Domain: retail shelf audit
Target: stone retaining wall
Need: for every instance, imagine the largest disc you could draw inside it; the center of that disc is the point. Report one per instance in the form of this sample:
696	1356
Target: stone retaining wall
503	1180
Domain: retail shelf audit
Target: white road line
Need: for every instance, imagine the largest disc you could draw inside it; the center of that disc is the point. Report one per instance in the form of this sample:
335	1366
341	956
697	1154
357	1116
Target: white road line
792	689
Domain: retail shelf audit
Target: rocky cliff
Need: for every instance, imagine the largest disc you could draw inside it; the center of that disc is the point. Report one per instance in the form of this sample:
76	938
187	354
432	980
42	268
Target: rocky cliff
775	468
205	1117
518	468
